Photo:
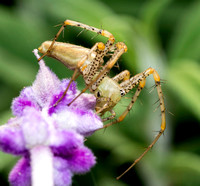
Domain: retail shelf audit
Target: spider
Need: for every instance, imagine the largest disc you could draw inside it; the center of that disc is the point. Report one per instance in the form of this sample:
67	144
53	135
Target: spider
108	91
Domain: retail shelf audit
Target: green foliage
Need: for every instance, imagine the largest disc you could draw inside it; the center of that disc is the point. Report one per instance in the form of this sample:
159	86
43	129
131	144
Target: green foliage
162	34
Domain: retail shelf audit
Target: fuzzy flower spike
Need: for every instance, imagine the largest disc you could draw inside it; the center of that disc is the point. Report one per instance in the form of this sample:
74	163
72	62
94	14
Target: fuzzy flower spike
50	140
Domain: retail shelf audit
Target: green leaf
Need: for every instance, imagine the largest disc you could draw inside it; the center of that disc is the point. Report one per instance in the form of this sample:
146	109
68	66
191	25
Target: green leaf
14	70
185	160
184	80
20	35
184	168
152	10
186	40
4	116
6	161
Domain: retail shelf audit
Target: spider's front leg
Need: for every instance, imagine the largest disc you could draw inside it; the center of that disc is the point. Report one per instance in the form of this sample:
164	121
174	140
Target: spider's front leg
104	33
127	85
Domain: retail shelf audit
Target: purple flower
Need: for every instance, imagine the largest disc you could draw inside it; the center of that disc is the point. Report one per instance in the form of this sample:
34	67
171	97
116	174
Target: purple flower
49	138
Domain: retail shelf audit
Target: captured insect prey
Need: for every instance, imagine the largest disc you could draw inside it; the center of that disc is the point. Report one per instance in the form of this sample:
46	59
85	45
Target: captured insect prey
108	90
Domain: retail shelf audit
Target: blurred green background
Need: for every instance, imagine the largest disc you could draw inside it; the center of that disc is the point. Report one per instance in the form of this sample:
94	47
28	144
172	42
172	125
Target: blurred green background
163	34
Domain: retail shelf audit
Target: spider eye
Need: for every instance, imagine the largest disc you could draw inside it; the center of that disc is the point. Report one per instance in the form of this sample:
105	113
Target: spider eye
98	94
122	92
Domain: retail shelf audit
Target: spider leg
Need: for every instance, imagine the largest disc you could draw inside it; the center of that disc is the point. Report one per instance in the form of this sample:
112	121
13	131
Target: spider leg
105	106
84	68
134	98
120	49
102	110
95	64
105	33
124	75
128	85
112	116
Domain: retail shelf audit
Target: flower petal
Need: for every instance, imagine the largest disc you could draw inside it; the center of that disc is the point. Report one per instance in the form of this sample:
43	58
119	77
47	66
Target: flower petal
88	122
11	138
62	174
66	99
66	119
82	121
26	99
62	142
35	128
21	173
85	102
45	85
81	161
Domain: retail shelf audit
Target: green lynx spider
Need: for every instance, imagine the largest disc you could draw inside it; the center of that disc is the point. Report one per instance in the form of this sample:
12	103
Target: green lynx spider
108	91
